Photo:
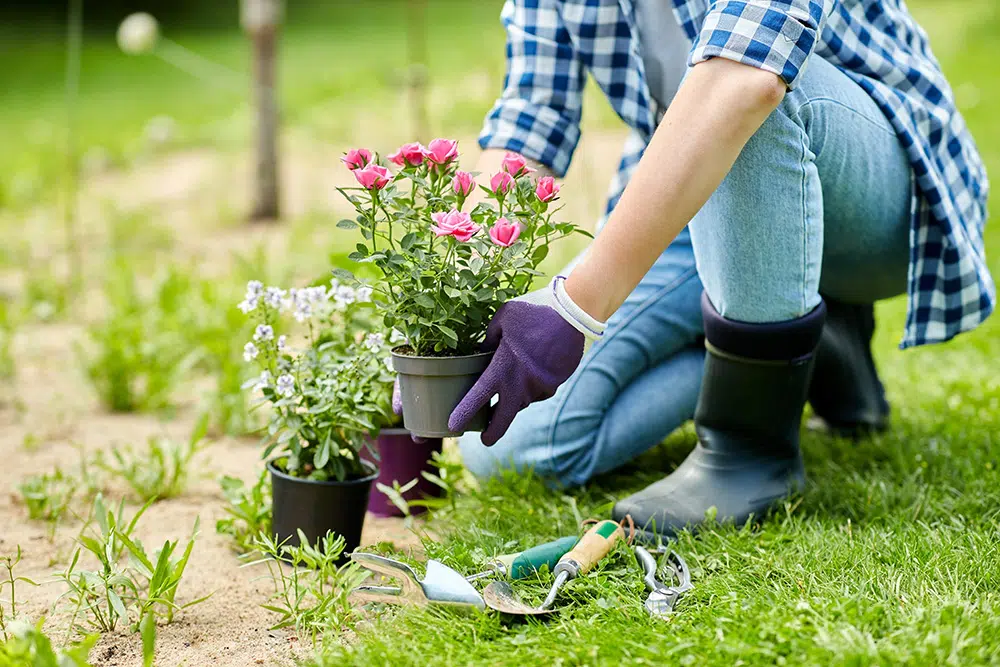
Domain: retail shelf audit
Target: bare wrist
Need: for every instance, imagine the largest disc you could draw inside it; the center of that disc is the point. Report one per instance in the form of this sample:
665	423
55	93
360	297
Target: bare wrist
588	295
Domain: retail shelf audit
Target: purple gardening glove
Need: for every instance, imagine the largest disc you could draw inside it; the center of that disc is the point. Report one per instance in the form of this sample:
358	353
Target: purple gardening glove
539	340
397	409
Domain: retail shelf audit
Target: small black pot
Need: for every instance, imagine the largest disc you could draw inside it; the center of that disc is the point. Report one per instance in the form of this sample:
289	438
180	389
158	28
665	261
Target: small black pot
318	507
431	387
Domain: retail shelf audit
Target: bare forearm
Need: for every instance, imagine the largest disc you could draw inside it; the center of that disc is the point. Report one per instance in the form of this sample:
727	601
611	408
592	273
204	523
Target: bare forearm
716	111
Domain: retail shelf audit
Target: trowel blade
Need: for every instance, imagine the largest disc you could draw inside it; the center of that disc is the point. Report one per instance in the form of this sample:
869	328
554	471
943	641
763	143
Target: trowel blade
501	597
442	584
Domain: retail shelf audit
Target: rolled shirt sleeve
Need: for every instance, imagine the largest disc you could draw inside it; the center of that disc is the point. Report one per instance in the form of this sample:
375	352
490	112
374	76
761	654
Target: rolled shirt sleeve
538	113
777	36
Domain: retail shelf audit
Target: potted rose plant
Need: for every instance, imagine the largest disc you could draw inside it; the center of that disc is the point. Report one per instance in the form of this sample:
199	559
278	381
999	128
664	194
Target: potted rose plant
446	266
328	391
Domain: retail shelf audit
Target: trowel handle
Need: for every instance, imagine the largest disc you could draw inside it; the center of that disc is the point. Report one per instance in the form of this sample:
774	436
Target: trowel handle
530	561
595	544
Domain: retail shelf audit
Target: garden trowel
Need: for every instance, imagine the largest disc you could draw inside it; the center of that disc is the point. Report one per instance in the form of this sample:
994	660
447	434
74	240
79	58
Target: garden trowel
441	585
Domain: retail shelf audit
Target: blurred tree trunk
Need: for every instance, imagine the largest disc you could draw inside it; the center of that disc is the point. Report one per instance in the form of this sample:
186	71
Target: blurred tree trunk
261	19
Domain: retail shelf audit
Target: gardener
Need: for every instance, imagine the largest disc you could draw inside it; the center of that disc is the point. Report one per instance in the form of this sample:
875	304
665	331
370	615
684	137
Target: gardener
816	151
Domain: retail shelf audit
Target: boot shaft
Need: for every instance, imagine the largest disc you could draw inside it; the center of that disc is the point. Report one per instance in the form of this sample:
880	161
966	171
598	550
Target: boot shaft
755	383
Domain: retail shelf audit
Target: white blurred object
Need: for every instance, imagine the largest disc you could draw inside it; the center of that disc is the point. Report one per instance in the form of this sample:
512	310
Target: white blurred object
96	160
138	33
259	15
160	130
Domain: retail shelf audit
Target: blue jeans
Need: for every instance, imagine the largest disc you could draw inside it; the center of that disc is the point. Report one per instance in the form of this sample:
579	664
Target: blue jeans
817	202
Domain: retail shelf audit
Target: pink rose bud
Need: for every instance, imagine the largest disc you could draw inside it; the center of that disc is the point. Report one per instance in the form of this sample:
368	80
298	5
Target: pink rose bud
409	155
501	183
505	232
463	184
357	158
373	177
454	223
547	189
442	151
516	165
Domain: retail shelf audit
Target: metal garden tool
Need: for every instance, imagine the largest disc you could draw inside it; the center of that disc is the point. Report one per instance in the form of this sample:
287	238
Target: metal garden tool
528	562
592	547
662	599
441	585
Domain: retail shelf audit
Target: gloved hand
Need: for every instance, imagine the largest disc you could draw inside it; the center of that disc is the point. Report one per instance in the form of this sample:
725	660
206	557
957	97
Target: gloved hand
539	340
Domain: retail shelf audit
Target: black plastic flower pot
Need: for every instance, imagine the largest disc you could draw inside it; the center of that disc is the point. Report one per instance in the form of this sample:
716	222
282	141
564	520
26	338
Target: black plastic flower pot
402	460
431	387
318	507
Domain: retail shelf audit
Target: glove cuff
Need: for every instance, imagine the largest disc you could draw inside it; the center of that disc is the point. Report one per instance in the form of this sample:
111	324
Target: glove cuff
577	317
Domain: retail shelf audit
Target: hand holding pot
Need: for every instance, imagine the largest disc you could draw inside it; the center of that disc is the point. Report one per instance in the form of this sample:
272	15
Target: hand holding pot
539	340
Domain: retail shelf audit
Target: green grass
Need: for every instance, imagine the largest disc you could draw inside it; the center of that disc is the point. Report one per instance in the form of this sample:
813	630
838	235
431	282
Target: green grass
888	557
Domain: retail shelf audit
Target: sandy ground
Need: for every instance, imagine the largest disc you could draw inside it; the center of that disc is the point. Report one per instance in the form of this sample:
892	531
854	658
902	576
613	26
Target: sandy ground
50	414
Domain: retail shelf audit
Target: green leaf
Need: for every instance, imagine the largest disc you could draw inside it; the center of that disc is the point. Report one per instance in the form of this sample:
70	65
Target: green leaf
148	630
362	249
409	240
323	455
476	264
424	301
200	430
449	333
540	253
117	604
347	224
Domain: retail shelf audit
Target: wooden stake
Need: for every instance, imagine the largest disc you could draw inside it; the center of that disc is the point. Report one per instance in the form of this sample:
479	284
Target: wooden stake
260	19
416	74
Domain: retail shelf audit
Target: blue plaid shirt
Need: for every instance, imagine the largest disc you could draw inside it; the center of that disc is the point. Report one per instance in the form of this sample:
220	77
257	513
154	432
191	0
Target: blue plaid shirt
553	44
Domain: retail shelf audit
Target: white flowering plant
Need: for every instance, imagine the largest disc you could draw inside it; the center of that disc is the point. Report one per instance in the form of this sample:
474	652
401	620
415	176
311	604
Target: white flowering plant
331	389
448	265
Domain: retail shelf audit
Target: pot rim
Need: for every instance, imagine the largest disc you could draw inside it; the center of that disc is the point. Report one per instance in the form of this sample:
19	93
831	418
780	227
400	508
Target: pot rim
468	364
456	357
330	482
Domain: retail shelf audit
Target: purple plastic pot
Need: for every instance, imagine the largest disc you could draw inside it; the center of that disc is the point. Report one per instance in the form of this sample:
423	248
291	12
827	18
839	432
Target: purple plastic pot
401	460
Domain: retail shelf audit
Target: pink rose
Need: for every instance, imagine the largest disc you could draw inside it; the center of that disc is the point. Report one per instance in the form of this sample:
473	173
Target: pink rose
463	184
547	189
501	183
409	155
373	177
454	223
505	232
442	151
516	165
357	158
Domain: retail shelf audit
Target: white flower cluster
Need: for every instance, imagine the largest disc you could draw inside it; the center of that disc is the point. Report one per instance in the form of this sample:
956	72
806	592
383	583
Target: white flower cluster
303	303
252	297
374	341
264	332
285	386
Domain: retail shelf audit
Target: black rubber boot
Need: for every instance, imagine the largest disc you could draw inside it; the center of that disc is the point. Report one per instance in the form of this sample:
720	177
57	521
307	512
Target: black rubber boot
846	393
748	420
